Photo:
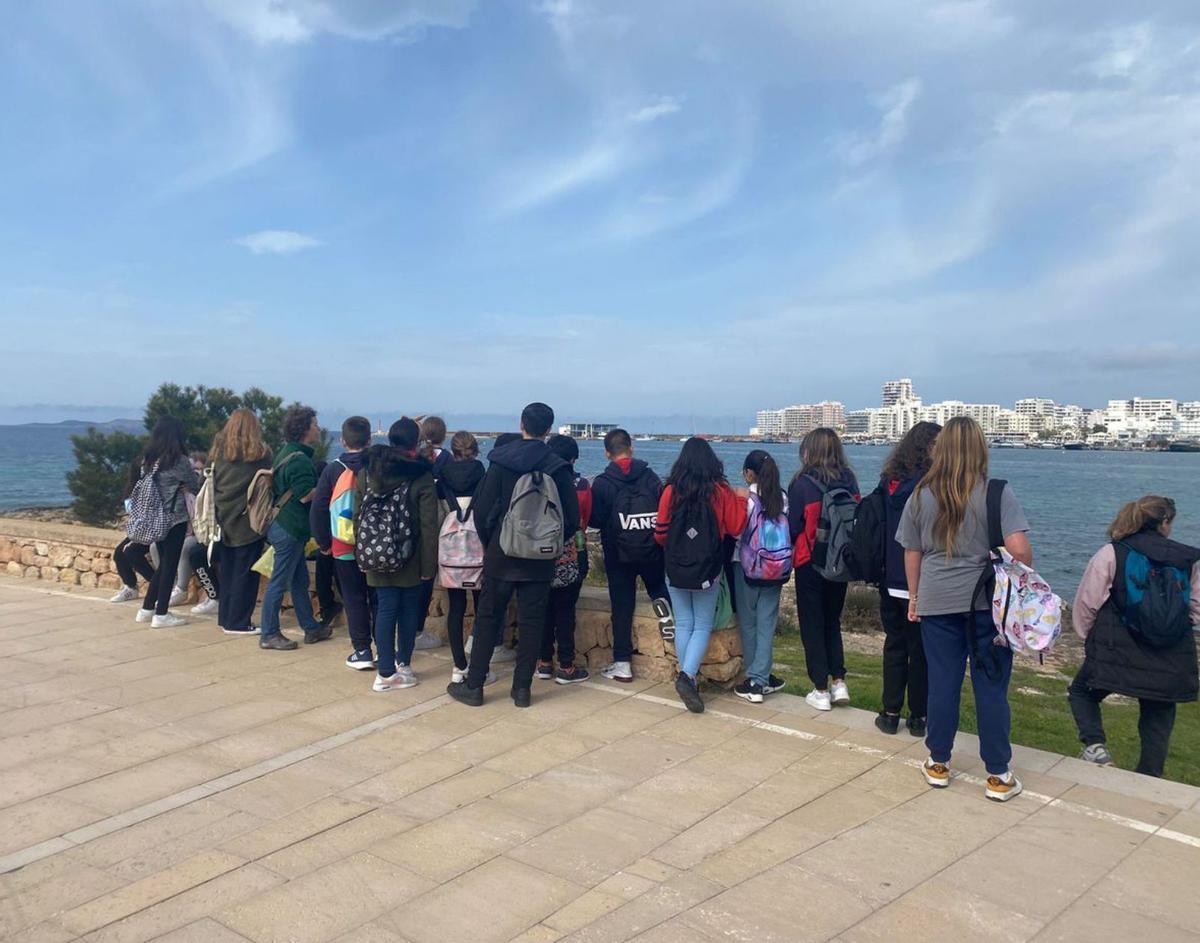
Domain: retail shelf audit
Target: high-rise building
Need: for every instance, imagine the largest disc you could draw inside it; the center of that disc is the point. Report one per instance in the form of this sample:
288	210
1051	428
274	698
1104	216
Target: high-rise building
897	391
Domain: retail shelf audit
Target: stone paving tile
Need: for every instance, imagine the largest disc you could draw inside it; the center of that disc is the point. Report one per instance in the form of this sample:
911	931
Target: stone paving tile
1069	833
724	828
1158	880
559	795
206	930
326	903
1090	919
59	884
120	791
589	848
540	754
938	910
334	844
274	795
318	817
655	907
42	818
489	904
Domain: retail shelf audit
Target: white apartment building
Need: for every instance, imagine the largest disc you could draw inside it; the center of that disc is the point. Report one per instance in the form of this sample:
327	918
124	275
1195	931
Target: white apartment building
897	391
800	420
769	422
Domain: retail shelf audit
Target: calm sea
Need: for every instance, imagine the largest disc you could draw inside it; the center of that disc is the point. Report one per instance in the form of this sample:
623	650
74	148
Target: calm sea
1069	497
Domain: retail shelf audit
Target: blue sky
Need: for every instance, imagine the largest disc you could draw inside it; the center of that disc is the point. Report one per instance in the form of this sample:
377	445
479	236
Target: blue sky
628	209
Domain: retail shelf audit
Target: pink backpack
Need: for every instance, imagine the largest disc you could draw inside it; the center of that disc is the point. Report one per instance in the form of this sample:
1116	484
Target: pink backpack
460	551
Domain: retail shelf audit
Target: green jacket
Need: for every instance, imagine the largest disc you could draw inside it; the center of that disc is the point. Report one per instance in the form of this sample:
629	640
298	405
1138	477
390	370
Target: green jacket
299	475
422	498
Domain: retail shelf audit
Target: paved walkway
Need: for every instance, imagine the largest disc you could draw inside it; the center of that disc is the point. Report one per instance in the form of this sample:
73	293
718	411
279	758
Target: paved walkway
182	785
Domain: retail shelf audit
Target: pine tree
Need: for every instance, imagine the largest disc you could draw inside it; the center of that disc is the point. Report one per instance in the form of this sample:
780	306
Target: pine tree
99	480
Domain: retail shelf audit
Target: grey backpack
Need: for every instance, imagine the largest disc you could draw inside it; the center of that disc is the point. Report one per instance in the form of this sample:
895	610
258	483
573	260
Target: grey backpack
532	528
833	552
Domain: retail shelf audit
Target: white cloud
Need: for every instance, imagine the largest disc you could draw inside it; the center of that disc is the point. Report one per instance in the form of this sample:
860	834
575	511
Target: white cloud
665	105
277	242
296	21
893	126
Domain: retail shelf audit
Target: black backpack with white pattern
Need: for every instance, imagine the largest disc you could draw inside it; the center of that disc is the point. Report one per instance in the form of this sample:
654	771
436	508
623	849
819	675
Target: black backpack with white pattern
385	531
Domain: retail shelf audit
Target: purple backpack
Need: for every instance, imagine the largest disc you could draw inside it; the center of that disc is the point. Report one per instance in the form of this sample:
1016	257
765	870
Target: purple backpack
765	550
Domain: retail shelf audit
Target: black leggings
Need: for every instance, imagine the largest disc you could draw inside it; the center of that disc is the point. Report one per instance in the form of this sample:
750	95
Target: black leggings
819	604
158	595
132	562
456	611
205	572
560	624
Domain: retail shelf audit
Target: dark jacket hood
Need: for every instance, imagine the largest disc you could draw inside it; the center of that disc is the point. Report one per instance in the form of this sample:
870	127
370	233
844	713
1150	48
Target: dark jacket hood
525	456
355	461
460	479
1162	549
396	466
636	469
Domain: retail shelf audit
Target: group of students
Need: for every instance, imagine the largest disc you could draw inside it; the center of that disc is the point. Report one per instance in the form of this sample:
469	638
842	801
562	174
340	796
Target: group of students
393	518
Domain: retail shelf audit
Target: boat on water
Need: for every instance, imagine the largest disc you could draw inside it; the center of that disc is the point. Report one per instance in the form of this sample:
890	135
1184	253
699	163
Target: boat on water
1183	446
644	438
1075	446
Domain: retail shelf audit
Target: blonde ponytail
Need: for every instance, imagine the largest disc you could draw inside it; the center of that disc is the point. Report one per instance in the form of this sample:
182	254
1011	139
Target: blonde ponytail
1149	511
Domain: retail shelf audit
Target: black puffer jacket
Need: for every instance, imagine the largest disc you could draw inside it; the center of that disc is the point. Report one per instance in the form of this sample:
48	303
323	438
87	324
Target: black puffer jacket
1119	661
460	479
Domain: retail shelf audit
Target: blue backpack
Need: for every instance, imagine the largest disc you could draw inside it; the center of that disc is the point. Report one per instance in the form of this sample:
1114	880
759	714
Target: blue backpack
1157	596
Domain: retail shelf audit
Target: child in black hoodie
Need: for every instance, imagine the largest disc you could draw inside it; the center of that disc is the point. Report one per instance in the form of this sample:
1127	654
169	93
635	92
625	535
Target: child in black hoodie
357	597
503	575
459	481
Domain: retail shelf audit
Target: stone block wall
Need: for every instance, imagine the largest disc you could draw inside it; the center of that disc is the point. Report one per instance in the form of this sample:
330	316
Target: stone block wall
74	555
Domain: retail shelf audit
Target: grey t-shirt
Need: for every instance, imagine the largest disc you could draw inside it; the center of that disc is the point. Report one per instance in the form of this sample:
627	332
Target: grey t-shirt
948	582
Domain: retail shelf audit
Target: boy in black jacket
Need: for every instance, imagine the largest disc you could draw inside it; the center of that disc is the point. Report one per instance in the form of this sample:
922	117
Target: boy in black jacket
357	597
504	575
624	509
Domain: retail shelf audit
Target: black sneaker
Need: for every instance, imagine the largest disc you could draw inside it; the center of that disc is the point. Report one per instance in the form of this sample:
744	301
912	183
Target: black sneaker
544	670
916	726
774	684
685	687
887	723
248	630
521	697
752	691
313	636
472	697
361	661
666	618
327	617
571	675
278	642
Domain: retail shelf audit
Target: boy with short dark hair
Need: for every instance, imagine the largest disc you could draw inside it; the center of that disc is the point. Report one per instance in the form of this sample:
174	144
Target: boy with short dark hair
504	575
625	509
357	597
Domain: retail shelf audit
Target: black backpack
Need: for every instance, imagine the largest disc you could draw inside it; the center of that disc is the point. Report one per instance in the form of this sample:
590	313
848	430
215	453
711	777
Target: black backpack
868	540
635	514
385	533
693	553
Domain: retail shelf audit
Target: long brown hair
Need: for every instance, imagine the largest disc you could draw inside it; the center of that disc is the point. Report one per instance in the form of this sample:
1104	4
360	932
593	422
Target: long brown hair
911	454
822	456
958	462
241	439
1146	513
464	446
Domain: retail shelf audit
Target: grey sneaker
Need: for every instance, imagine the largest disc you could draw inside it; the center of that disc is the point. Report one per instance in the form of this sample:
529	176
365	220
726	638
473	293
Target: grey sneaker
1097	753
425	641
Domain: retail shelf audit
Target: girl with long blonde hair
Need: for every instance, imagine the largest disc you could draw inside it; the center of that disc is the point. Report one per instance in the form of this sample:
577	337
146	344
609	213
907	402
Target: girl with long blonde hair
944	532
1143	652
238	451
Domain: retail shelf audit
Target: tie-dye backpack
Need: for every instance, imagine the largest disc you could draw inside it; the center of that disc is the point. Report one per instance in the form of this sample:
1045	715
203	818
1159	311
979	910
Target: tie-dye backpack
765	548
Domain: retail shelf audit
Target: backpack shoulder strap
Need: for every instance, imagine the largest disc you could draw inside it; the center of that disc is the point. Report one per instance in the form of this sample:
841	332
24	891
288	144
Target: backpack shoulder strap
821	486
995	494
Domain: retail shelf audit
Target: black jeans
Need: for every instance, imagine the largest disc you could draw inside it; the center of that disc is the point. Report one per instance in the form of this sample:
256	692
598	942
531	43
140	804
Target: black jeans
622	597
323	583
426	599
1156	720
235	606
158	594
132	562
205	572
903	658
456	612
819	605
560	624
532	598
359	600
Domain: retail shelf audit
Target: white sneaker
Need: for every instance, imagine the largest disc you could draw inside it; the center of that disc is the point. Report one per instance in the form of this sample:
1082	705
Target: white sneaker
125	594
144	615
618	671
457	677
407	675
1002	788
206	608
169	621
503	654
839	692
394	683
178	596
425	641
819	700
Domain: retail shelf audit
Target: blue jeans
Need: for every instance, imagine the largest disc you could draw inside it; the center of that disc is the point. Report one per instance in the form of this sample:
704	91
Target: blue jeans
290	575
946	651
695	613
398	615
758	613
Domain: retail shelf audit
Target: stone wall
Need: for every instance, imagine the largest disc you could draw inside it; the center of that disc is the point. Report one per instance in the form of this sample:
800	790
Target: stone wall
73	555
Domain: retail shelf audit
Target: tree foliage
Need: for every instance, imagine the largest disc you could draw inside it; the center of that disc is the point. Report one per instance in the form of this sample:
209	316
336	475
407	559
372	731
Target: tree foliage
103	459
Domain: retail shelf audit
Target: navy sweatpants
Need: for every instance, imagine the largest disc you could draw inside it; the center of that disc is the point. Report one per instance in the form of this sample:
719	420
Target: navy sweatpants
946	639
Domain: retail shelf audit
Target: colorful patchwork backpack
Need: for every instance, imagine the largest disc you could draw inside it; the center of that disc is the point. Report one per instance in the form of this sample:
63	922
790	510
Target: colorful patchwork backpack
341	514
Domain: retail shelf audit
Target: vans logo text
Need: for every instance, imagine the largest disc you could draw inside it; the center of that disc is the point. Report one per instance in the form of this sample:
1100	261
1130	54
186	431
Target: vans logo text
644	521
